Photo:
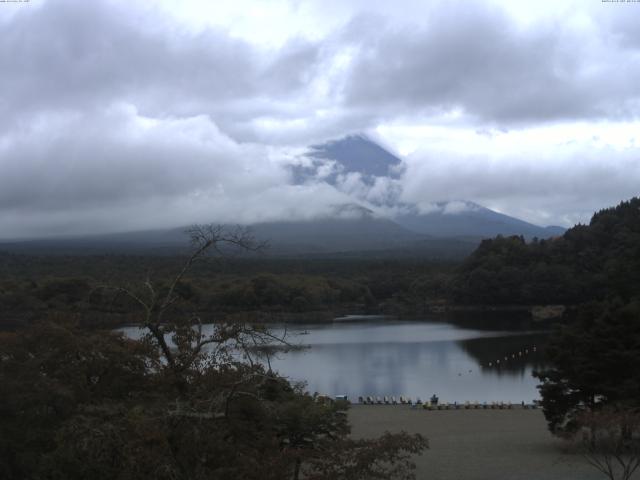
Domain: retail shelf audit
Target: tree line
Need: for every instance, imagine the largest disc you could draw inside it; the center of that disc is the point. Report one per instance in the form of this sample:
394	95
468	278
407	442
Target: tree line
34	288
591	387
179	403
589	262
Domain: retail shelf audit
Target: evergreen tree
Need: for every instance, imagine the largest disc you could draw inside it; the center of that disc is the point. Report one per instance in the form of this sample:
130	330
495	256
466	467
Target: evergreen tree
595	361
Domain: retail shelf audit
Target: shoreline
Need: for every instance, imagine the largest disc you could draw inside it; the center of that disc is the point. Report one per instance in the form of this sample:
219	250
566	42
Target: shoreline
531	313
492	444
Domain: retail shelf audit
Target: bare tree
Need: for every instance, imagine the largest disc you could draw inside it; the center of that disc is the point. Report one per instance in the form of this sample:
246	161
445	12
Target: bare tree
156	302
610	441
211	386
183	345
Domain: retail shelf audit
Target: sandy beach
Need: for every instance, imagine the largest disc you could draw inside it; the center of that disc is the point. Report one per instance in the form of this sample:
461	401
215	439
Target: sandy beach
477	444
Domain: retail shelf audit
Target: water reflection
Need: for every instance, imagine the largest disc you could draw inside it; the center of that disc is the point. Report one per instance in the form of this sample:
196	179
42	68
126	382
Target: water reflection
417	359
508	355
456	360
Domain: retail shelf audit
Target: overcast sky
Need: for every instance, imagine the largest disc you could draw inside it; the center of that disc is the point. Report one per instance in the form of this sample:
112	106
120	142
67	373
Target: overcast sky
121	115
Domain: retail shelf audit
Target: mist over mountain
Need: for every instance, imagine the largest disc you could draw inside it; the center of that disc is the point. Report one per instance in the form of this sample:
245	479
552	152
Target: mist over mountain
468	219
347	229
441	229
359	155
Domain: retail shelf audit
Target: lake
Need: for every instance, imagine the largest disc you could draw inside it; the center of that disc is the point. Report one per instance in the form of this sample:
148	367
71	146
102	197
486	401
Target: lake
415	358
380	356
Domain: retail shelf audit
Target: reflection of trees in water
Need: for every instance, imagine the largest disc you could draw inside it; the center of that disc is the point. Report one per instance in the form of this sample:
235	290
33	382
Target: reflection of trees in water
379	368
396	368
494	320
489	350
360	362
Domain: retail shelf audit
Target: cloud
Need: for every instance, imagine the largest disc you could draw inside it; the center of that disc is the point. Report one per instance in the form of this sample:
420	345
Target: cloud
475	61
118	169
456	206
562	186
69	55
117	115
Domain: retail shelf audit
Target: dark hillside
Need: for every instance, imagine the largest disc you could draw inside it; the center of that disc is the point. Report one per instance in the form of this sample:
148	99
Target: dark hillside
588	262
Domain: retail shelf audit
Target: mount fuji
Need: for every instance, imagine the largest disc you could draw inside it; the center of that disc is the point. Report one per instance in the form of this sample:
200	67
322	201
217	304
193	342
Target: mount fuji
357	154
447	229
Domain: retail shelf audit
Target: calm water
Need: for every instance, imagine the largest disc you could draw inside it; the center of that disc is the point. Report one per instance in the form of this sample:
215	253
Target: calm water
382	357
413	358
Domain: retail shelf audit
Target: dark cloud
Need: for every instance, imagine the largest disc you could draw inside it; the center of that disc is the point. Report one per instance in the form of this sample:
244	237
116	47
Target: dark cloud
119	170
115	121
478	60
113	115
78	55
531	186
118	155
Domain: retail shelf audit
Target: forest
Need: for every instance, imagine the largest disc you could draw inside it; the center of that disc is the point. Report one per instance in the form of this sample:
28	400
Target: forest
98	405
178	403
262	289
589	262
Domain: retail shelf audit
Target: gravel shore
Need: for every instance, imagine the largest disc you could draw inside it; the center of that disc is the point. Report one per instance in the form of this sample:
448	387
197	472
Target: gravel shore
477	444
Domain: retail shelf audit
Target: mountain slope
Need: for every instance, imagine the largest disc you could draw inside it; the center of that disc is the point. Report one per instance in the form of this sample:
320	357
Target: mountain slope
468	219
347	229
447	218
357	153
